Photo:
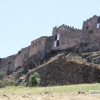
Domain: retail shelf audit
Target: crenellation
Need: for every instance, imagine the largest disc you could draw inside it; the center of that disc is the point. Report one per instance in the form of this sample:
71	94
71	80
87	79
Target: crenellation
64	29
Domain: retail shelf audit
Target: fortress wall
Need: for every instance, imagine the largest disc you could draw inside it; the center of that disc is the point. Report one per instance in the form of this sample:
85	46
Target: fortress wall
0	60
91	35
21	57
90	24
37	46
18	60
12	62
91	41
49	43
25	53
7	64
3	66
67	40
94	37
64	29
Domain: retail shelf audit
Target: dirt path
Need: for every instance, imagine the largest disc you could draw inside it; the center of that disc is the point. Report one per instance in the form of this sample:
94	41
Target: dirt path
53	96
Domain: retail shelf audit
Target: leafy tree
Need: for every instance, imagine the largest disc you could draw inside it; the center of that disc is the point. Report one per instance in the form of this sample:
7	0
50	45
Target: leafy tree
34	80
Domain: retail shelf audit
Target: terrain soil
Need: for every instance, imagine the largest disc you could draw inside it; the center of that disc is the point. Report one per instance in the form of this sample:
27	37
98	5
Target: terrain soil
46	96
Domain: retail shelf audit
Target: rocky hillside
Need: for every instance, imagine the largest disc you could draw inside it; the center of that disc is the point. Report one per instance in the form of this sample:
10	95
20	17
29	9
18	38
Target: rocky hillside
58	68
64	71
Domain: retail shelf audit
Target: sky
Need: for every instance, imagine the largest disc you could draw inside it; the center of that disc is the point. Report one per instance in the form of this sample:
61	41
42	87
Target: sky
22	21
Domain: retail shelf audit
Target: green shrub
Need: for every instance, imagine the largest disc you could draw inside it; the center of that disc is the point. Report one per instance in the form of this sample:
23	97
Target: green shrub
80	59
8	83
2	83
34	80
2	75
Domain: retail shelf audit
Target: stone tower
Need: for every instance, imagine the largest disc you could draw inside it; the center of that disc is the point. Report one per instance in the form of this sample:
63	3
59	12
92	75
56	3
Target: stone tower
90	37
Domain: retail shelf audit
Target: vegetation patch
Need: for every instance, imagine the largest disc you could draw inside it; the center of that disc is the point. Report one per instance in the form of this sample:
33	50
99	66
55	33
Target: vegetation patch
80	59
34	80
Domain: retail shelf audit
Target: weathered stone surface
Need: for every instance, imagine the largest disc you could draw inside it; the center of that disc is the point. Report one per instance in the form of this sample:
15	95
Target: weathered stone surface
21	58
49	44
40	56
7	64
10	63
90	35
65	71
37	46
96	60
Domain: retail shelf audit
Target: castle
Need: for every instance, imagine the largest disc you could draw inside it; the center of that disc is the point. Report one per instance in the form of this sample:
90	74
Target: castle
63	37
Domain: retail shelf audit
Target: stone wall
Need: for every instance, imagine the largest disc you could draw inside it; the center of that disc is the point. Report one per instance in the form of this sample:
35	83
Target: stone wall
49	44
69	37
90	35
0	60
10	63
7	64
90	23
37	46
63	29
21	57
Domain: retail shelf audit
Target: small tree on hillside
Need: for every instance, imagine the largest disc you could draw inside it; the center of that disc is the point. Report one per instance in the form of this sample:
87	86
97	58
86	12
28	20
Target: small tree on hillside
34	80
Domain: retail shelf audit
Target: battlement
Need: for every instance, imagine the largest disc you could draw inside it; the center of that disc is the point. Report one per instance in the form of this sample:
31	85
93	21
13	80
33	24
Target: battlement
90	19
64	29
91	23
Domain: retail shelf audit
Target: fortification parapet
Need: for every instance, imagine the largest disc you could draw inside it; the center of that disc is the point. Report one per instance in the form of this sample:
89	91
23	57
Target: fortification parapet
63	29
90	24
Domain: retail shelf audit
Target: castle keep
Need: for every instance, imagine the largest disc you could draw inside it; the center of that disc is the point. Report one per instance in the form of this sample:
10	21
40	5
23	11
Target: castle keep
63	37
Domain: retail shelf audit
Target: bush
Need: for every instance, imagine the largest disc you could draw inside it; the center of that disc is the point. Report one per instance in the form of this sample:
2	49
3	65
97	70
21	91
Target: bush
34	80
80	59
2	83
2	75
8	83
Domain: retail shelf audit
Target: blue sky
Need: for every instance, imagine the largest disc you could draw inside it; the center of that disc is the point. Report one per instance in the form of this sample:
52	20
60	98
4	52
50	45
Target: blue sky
22	21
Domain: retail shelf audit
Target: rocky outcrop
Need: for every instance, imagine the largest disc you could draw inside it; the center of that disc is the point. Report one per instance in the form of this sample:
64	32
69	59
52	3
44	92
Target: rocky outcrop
63	71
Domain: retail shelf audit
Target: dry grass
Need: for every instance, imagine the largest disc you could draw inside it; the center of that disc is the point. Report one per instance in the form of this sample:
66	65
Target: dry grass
69	92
